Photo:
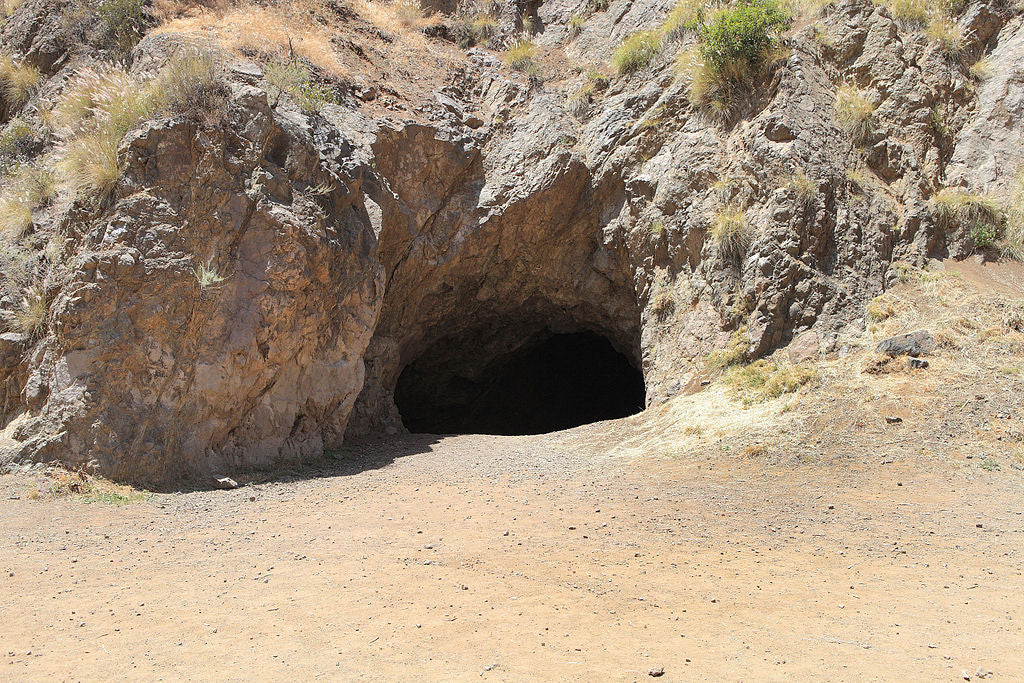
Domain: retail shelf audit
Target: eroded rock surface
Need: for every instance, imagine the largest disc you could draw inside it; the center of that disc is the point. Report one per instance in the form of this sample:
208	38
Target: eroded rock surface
491	220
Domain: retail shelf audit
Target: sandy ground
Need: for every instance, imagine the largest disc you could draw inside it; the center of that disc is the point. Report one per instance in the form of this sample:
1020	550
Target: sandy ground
499	558
809	537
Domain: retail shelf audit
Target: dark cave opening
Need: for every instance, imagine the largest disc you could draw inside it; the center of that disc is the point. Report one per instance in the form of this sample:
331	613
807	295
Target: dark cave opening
555	381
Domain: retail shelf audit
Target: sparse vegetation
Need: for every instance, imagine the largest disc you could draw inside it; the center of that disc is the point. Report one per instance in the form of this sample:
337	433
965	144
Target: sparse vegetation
803	188
980	216
17	81
190	86
687	16
730	232
207	275
943	30
520	55
939	120
292	78
123	23
30	316
764	380
7	7
981	70
476	25
27	187
735	46
1012	245
910	13
578	101
859	176
734	353
92	489
636	52
15	137
575	25
662	303
854	113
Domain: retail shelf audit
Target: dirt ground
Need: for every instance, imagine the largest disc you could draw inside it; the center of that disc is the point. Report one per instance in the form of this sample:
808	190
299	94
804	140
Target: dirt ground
804	538
497	558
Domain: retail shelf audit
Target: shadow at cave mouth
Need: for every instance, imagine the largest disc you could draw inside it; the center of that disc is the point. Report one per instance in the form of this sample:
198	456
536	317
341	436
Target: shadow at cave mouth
555	382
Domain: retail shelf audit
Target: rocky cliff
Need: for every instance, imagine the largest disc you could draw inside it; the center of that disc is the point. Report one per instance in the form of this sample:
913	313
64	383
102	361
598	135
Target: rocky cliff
258	273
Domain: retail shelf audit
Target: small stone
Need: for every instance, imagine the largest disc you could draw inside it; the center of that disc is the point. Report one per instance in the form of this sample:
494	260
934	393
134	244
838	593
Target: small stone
226	483
918	363
657	671
893	419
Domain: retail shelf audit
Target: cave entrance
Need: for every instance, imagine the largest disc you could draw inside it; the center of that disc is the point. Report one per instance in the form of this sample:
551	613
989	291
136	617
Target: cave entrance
551	382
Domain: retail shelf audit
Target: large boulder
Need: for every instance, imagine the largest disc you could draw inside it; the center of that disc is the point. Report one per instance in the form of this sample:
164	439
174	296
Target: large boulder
218	313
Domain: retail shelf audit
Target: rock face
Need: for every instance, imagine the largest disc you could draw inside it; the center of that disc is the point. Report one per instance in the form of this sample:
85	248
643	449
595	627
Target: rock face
492	221
156	377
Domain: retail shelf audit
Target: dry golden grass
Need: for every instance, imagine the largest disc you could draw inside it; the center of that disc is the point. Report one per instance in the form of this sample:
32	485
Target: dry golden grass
256	30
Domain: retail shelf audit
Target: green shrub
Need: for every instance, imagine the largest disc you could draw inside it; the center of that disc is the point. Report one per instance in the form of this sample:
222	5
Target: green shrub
122	22
285	78
735	46
747	33
293	79
520	55
636	52
984	235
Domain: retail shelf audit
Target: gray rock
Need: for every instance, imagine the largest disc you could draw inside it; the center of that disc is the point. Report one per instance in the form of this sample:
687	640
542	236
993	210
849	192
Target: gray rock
914	344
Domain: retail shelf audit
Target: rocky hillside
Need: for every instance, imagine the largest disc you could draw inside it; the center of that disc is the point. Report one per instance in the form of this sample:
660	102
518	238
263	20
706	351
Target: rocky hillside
227	230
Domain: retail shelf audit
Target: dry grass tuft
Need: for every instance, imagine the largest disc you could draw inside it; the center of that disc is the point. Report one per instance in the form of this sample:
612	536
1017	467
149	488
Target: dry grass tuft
854	113
730	232
734	353
636	52
520	55
17	81
765	380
